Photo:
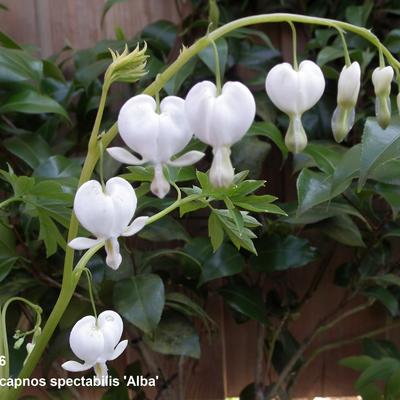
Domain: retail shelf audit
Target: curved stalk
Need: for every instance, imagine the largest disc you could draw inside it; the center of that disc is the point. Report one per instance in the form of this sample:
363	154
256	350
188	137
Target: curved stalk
69	282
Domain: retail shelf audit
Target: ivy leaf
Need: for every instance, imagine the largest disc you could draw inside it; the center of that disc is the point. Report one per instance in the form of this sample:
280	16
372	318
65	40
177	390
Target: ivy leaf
245	300
174	335
276	253
378	146
226	261
140	300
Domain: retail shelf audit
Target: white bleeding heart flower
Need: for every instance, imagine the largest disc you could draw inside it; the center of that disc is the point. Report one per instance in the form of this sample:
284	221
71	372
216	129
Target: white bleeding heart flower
295	92
348	91
220	120
382	80
157	135
96	341
107	214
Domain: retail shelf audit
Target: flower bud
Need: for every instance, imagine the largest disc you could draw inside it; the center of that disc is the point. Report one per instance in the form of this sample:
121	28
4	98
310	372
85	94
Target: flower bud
156	135
106	213
349	85
382	79
95	342
295	92
220	121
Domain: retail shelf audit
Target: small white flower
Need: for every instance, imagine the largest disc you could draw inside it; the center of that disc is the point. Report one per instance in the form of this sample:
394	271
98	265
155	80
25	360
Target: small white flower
382	79
295	92
348	91
156	136
220	121
95	342
107	215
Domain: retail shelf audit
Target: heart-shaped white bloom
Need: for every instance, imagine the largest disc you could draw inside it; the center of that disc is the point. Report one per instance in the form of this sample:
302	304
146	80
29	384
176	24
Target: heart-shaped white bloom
95	342
156	136
382	80
295	92
348	90
107	215
220	120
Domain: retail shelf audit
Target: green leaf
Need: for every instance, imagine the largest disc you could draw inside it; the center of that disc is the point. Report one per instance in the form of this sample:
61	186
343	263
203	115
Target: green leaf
313	188
245	300
326	155
386	279
207	56
49	233
30	102
391	193
226	261
379	370
392	387
107	6
8	253
191	207
18	66
385	297
59	168
32	149
7	41
161	34
329	53
215	231
343	229
276	253
165	229
259	204
140	300
269	130
378	146
175	335
174	84
357	363
89	73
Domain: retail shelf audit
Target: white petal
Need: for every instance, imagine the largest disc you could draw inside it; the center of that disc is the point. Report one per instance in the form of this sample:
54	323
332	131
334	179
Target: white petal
138	125
114	258
82	243
349	85
124	156
86	340
94	210
188	158
124	202
174	133
101	371
221	171
220	120
119	349
136	225
382	79
159	185
74	366
294	92
111	326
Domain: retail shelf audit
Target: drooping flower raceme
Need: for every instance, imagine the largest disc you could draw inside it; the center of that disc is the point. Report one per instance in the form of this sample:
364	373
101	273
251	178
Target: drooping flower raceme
220	120
295	92
157	135
348	90
96	341
107	214
382	79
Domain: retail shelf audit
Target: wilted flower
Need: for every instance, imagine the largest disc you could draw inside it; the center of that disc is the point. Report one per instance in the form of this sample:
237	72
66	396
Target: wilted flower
157	135
295	92
382	79
348	90
96	341
106	213
220	120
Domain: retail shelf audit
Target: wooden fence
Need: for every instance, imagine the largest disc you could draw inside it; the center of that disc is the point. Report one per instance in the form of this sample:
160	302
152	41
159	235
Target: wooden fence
228	361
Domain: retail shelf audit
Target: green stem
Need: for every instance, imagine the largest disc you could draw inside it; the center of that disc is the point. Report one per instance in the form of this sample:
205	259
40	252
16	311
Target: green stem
9	201
90	289
68	284
294	45
345	49
3	327
218	77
